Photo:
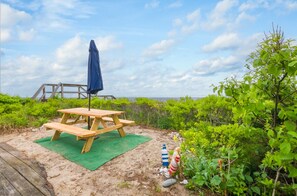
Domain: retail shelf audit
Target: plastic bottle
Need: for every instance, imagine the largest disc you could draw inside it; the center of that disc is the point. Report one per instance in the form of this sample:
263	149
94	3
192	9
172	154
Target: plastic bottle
165	161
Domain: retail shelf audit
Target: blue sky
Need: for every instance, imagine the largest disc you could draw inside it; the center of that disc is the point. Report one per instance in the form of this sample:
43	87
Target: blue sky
148	48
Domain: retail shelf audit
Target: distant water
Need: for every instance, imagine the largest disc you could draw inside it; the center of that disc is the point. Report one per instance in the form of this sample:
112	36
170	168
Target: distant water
162	99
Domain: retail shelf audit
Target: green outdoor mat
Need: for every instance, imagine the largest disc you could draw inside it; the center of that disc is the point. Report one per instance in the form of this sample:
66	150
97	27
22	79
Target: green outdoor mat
108	146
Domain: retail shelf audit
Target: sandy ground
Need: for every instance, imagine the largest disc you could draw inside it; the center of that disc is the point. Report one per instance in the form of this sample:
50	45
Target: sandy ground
134	173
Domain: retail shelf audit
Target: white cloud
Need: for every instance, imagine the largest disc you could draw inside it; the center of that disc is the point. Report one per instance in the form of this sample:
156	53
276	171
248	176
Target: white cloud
177	22
10	16
234	63
152	4
72	59
191	23
244	16
218	64
27	35
225	41
176	4
2	53
217	17
249	44
21	73
172	33
13	22
28	66
159	48
111	65
29	72
107	43
74	8
193	16
267	4
249	5
187	29
290	5
72	53
60	15
222	7
5	35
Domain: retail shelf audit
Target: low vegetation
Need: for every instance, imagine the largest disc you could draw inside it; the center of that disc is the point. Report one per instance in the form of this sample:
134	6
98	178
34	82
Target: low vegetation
241	141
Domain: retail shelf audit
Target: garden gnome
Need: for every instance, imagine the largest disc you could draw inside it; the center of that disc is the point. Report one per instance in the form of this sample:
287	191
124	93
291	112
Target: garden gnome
174	163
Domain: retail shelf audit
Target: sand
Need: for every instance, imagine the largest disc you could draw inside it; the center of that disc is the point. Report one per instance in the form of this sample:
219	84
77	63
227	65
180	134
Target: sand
136	172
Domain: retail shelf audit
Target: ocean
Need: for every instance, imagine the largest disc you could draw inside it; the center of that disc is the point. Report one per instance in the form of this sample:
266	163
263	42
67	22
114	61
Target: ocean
162	99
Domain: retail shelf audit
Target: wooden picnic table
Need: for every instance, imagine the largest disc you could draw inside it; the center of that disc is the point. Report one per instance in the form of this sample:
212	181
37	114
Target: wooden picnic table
82	115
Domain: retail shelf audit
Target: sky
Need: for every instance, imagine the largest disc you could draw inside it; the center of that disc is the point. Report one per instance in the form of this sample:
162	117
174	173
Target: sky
147	48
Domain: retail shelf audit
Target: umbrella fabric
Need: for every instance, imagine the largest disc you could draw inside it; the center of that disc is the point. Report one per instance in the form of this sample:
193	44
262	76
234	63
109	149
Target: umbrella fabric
95	83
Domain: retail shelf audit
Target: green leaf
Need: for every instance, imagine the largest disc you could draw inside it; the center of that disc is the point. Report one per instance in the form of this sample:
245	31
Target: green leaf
281	114
292	172
272	69
291	126
249	178
286	156
272	142
263	175
199	180
285	147
248	78
293	133
270	133
292	115
228	92
256	189
216	180
292	64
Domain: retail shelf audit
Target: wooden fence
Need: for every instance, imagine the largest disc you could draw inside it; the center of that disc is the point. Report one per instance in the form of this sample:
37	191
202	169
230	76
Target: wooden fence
64	90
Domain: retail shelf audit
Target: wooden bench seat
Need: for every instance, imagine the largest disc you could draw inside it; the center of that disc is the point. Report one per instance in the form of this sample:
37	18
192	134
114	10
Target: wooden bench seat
123	121
80	132
77	131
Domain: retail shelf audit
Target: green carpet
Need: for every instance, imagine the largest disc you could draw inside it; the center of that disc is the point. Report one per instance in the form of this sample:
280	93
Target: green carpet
106	147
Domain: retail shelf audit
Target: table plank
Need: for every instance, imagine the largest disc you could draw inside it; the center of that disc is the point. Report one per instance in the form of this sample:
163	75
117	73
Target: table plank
21	175
6	188
17	181
92	112
31	163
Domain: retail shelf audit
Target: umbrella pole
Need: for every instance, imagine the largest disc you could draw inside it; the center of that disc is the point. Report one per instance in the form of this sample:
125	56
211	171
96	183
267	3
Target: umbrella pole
89	110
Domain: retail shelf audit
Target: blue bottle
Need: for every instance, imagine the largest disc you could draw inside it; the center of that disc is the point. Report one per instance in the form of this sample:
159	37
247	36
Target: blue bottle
165	157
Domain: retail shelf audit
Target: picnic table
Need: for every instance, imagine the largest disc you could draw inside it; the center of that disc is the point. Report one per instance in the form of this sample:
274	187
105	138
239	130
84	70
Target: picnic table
99	117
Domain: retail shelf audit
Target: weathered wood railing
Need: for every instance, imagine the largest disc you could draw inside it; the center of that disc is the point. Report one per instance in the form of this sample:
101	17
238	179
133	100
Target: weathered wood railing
46	91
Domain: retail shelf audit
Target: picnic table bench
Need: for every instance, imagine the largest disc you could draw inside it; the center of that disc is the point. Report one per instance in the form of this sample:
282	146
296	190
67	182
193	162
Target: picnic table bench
123	121
98	116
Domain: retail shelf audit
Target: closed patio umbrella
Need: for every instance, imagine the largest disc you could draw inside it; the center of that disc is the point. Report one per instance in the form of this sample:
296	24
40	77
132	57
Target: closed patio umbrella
95	82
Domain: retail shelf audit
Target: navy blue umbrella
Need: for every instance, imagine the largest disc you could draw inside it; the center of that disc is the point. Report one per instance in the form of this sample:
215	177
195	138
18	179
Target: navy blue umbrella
95	82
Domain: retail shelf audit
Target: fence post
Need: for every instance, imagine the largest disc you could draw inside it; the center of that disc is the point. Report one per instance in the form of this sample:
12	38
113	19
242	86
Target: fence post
78	91
62	91
43	93
53	90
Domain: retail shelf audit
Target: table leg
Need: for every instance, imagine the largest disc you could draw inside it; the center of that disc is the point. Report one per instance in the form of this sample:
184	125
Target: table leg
88	145
117	122
103	123
95	124
57	134
65	117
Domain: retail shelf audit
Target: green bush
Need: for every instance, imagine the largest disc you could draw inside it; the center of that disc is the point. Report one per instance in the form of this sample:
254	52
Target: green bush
258	149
